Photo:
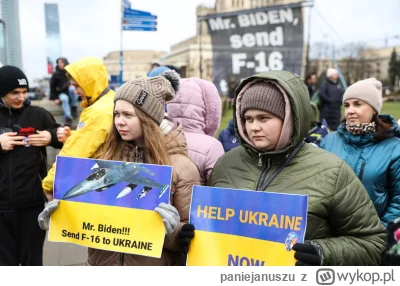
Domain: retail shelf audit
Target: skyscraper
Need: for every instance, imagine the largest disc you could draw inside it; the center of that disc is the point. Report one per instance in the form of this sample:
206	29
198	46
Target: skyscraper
53	41
11	36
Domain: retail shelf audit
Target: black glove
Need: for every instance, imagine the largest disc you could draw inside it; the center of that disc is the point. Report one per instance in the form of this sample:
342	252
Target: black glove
307	254
186	234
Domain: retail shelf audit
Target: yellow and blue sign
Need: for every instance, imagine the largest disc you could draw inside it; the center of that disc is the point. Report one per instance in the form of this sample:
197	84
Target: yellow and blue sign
245	228
110	205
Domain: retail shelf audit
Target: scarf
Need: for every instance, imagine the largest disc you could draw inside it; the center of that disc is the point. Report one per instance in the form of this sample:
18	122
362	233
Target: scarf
363	128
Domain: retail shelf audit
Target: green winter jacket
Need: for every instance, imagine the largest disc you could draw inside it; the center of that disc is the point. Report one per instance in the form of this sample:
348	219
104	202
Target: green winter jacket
341	217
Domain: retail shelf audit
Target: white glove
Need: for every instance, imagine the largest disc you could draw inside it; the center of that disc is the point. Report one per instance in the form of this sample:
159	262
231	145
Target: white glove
44	216
170	217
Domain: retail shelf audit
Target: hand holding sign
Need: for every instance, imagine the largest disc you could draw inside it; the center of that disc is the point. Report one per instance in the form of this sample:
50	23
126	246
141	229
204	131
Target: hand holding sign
308	254
170	217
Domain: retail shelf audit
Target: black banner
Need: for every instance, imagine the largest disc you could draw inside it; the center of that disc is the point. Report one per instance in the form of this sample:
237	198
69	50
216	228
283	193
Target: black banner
254	41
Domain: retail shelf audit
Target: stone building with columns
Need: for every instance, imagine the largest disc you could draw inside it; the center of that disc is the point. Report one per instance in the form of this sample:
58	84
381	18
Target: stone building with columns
136	62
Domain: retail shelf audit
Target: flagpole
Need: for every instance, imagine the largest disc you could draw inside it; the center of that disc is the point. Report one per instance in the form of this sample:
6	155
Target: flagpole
121	53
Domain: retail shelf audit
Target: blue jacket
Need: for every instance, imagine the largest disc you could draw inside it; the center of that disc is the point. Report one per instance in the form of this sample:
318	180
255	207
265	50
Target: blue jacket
377	164
317	133
228	137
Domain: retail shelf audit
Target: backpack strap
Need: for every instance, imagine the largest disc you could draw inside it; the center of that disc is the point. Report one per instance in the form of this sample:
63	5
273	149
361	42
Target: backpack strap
283	165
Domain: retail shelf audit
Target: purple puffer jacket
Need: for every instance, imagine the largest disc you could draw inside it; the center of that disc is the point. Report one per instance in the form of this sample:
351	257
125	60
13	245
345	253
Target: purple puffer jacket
197	105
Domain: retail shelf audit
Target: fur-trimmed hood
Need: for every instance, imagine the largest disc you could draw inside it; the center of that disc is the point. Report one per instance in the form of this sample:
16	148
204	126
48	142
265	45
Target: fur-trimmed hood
197	106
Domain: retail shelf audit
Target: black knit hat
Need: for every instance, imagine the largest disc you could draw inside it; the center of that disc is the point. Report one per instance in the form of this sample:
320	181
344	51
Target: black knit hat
263	96
11	78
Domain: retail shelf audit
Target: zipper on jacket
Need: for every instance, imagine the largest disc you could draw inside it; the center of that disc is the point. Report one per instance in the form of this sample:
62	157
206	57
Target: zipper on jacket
259	160
10	166
361	171
121	259
263	174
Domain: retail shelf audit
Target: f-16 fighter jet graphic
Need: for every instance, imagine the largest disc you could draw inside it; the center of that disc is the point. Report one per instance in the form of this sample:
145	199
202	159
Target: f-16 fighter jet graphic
107	174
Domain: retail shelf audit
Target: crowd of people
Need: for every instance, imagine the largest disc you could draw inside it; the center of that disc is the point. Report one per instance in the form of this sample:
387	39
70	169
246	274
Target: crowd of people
277	141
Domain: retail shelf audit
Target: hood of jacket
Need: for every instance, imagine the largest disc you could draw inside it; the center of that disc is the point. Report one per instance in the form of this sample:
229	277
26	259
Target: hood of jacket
366	139
27	103
295	91
91	75
197	106
176	141
231	126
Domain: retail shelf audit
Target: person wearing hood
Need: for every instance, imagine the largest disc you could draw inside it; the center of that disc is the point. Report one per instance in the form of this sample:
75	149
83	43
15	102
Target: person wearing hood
272	113
197	106
370	143
59	91
25	131
90	79
228	137
136	136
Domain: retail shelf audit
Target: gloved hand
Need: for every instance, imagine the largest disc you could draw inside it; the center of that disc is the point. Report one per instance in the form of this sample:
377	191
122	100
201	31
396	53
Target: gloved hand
44	216
391	256
186	234
308	254
170	217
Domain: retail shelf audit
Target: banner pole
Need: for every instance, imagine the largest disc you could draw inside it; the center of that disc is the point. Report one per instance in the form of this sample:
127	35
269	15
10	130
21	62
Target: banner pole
201	49
121	53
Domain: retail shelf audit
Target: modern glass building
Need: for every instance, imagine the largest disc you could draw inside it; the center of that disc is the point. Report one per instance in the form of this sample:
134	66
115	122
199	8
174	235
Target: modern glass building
10	39
53	41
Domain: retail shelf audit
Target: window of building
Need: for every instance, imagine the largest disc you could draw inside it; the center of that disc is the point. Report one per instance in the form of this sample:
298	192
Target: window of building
233	3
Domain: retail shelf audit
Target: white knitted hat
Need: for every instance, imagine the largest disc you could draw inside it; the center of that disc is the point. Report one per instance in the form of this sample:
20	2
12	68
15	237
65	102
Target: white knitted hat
368	90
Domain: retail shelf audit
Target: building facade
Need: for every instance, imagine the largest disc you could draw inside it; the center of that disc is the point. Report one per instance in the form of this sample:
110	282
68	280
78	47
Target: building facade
10	43
136	63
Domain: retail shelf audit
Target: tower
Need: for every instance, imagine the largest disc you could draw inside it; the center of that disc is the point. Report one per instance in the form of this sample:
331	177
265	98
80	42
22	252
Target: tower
10	43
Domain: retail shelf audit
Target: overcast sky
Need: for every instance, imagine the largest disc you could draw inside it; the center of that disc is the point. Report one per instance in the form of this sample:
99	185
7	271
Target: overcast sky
92	27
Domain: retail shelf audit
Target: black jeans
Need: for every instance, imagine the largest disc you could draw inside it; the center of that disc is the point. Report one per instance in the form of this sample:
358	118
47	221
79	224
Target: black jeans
21	239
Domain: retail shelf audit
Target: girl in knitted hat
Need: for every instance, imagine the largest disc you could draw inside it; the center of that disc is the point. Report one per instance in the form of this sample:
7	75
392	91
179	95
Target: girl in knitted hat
136	136
369	143
272	116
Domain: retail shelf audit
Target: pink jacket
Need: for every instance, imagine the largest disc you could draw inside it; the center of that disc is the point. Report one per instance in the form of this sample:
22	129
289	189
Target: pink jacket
197	106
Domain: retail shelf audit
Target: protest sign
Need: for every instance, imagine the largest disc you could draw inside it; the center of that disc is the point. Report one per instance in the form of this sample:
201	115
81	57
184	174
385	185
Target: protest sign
110	205
249	42
245	228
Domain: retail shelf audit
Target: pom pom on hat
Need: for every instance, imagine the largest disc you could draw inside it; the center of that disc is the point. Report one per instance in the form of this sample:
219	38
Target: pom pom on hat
173	77
150	94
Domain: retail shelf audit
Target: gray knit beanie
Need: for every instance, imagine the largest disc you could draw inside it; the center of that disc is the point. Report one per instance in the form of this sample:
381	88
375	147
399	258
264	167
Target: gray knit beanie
263	96
150	94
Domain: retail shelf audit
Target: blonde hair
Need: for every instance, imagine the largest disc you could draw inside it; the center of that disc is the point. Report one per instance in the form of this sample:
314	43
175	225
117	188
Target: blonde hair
155	151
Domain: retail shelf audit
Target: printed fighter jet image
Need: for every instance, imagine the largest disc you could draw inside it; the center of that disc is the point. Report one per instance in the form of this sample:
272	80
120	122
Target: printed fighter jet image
107	174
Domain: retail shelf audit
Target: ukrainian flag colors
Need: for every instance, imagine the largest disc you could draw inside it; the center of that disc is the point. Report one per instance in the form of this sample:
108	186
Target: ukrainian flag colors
245	228
111	228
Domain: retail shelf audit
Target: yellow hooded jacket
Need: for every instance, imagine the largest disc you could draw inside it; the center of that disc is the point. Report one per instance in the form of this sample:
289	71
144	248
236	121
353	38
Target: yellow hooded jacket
96	118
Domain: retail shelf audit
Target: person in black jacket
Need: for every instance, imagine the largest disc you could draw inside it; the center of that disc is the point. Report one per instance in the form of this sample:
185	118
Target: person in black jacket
331	95
25	131
59	91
